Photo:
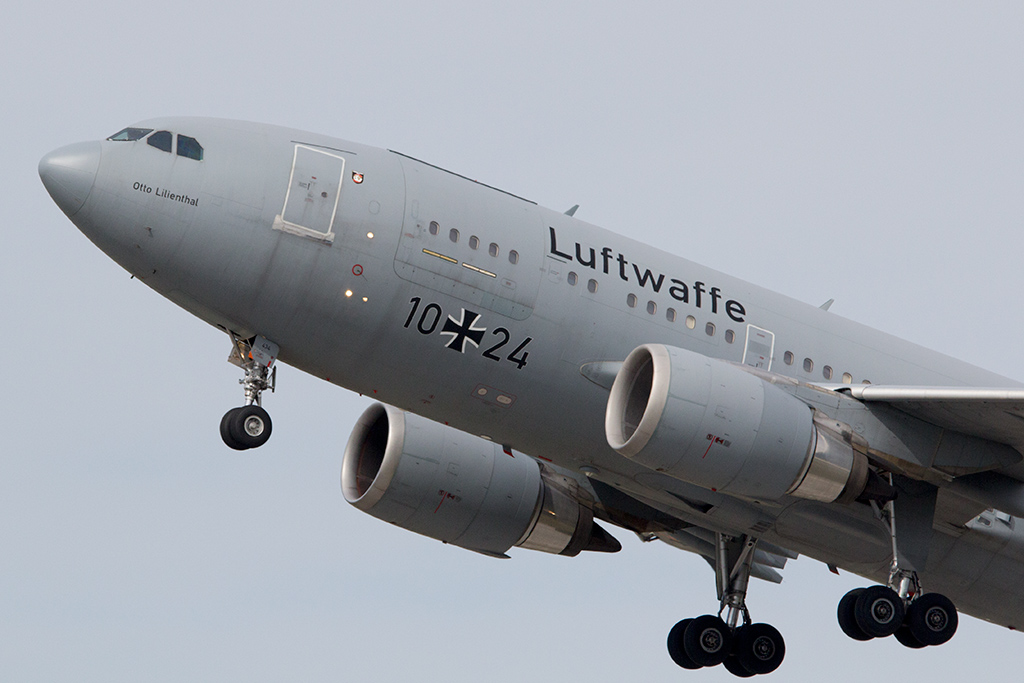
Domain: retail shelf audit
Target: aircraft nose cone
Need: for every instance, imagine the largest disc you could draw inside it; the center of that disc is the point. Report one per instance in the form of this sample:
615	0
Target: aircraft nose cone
68	174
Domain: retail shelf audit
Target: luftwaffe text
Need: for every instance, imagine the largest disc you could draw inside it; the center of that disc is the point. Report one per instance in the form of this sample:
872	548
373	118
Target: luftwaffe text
589	257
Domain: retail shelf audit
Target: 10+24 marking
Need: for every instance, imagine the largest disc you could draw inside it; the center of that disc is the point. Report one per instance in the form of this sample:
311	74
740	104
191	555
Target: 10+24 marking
465	331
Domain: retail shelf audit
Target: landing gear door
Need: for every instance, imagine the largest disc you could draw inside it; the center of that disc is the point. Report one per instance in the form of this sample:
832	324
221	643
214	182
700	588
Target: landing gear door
314	188
759	348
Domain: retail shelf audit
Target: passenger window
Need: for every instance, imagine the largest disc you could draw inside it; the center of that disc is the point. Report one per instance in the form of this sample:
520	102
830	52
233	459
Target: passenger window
670	315
652	307
730	336
592	286
709	329
513	257
493	249
453	235
571	278
435	227
808	365
847	378
189	148
130	134
161	140
787	358
691	322
631	300
474	242
827	372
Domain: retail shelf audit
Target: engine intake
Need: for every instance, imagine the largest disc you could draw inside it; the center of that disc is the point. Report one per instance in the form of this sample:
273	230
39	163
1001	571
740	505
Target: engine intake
461	489
709	423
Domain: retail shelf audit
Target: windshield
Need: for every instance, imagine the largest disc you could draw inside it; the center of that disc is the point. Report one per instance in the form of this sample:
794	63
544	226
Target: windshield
130	134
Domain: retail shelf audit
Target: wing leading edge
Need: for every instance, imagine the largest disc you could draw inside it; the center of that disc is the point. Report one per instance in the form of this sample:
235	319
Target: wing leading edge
996	414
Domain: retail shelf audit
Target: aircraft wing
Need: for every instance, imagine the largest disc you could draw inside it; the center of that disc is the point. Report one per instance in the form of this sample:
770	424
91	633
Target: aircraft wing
996	414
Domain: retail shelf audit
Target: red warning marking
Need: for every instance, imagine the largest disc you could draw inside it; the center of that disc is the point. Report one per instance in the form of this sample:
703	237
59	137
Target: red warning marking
357	270
712	440
444	496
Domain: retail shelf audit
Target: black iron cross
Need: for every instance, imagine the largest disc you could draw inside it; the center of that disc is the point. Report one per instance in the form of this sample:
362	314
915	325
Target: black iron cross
462	330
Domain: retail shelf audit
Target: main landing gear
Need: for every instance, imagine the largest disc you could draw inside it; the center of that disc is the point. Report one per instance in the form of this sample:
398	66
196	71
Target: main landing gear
249	426
900	608
744	650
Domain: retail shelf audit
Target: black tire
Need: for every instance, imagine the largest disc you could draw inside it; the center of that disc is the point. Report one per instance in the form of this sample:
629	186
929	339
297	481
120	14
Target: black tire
225	430
707	640
250	426
932	619
759	648
847	622
734	666
676	649
907	638
879	611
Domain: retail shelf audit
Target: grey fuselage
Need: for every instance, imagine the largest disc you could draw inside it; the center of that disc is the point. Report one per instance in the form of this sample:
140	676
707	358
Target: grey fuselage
472	307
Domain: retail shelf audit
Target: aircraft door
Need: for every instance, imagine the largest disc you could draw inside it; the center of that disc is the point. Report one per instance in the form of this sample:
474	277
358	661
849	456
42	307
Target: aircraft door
757	353
314	188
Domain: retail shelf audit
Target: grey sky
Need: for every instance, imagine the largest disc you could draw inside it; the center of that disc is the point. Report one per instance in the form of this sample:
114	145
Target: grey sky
872	155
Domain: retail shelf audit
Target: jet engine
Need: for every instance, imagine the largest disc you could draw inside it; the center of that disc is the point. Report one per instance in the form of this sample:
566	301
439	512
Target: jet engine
712	424
462	489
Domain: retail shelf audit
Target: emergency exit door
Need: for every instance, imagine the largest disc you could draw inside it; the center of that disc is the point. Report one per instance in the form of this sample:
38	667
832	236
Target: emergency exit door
759	347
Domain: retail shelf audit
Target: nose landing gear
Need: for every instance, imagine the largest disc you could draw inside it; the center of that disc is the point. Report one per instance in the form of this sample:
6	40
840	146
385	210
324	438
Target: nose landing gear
249	426
745	650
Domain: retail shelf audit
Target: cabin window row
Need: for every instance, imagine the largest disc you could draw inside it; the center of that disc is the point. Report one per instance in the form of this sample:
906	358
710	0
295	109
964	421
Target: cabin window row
652	309
474	242
826	371
709	328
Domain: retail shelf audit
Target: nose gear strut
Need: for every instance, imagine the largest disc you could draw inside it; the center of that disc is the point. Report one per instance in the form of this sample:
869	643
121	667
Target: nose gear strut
249	426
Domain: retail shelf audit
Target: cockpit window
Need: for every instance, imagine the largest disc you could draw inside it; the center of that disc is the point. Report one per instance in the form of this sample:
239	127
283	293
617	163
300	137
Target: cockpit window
161	140
130	134
189	147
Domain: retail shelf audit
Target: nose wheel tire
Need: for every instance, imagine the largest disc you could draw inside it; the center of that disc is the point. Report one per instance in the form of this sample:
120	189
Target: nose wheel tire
245	427
225	430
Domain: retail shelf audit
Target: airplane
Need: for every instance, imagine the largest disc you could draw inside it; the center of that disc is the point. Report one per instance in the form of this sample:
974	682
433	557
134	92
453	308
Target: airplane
537	376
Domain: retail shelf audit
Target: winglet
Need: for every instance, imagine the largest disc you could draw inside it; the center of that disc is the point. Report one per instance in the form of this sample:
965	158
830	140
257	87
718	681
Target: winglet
572	211
827	305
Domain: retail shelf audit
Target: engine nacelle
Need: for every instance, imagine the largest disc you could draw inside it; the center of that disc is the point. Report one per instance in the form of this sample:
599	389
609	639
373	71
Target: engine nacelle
461	489
709	423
